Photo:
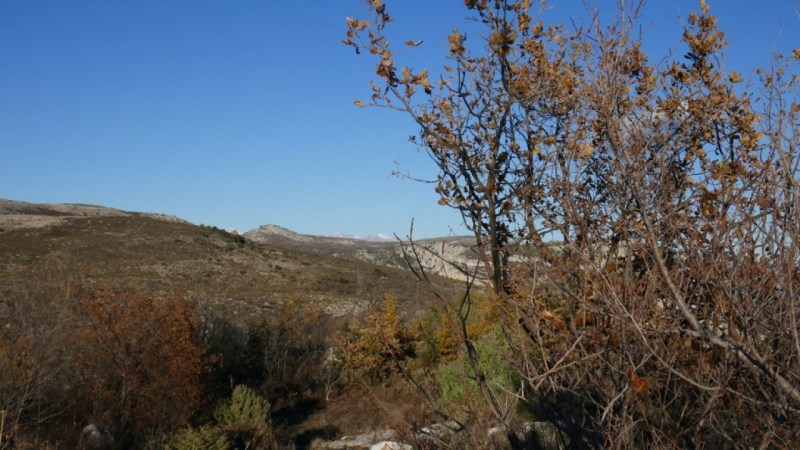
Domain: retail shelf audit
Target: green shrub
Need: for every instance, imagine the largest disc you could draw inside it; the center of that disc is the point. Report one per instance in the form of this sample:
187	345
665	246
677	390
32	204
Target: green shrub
203	438
493	353
240	422
245	407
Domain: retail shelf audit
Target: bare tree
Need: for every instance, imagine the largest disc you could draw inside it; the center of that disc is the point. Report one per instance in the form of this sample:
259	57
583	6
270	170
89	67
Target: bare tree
638	222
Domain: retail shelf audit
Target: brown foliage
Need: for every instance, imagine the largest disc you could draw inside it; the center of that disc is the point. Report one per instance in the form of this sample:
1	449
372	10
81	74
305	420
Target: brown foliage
373	351
123	359
36	383
639	224
140	360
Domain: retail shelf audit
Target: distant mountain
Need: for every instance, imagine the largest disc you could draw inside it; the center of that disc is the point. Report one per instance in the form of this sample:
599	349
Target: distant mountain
274	234
380	237
451	257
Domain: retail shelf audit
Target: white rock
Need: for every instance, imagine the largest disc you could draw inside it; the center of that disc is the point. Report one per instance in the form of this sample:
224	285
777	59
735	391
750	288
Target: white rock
390	445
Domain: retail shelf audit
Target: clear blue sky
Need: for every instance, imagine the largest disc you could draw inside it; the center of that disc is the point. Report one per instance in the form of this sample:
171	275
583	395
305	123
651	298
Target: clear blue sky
240	113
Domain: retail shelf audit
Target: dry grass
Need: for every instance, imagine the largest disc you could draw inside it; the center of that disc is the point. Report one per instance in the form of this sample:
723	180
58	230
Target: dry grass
212	265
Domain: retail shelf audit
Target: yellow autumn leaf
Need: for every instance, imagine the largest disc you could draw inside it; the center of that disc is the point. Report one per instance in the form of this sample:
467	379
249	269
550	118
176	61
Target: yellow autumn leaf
422	79
547	314
735	77
425	83
406	75
537	29
585	150
456	41
359	103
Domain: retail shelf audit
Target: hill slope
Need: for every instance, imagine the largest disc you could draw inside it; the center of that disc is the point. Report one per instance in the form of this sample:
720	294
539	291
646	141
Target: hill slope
103	245
451	257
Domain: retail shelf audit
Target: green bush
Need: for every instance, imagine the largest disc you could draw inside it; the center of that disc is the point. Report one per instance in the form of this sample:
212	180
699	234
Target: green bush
241	422
493	353
203	438
245	407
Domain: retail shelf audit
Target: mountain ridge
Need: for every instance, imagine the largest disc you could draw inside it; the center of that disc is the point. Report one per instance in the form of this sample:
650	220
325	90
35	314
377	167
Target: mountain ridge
452	257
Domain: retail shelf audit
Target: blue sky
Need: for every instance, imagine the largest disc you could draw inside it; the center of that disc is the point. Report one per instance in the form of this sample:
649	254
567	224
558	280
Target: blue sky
240	113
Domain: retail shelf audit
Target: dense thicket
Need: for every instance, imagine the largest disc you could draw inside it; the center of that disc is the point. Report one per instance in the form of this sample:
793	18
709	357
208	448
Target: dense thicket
150	369
126	360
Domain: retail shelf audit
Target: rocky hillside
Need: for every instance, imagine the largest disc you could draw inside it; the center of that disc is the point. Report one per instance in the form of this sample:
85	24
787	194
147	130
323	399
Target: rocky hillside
94	244
14	215
452	257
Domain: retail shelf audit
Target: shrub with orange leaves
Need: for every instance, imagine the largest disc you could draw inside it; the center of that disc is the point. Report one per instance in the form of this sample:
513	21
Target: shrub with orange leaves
639	385
140	360
374	351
